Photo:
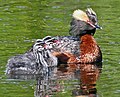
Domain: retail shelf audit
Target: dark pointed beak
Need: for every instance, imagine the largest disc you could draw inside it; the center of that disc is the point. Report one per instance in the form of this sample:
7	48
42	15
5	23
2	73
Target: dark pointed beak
98	27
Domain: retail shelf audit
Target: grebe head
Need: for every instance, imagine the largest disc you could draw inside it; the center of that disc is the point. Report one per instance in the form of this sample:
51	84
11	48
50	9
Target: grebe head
92	18
50	42
83	22
39	45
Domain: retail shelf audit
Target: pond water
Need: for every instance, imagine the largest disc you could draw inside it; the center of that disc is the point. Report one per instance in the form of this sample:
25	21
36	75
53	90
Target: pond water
24	21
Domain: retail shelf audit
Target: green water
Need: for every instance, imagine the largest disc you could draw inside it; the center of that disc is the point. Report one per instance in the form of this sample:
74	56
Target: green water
22	21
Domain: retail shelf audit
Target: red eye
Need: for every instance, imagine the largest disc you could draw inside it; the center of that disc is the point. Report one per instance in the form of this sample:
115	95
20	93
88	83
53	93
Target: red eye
89	22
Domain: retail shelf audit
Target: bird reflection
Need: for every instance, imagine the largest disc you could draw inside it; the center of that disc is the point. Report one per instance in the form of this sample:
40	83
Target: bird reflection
85	74
89	74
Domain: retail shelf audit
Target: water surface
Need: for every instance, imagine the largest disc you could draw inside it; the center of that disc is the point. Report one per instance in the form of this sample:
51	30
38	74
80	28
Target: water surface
21	22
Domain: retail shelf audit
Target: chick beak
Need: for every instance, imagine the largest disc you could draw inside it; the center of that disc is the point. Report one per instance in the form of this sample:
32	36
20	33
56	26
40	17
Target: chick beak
98	27
45	46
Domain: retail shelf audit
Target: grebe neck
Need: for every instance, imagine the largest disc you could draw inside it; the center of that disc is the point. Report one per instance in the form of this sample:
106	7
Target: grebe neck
89	50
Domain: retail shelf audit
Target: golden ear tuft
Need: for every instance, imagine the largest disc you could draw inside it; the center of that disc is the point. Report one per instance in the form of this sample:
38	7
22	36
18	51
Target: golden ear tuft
80	15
